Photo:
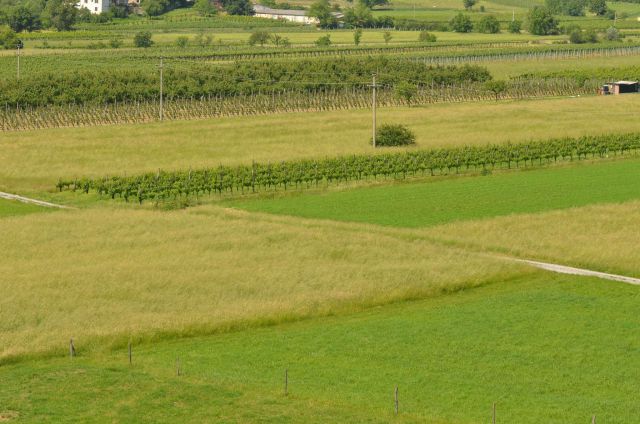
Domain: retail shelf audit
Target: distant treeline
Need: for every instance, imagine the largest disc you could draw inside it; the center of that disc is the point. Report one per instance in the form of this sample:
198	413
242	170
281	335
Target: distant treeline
617	73
196	81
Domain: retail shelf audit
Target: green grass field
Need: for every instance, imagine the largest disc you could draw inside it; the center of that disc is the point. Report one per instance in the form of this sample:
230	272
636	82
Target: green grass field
547	349
14	208
465	198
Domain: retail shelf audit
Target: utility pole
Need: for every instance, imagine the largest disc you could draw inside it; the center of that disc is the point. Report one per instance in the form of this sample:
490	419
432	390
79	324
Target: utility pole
513	15
161	89
18	64
374	86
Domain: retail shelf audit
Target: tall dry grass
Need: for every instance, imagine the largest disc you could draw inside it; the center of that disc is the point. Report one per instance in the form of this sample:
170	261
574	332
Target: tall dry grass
599	237
102	276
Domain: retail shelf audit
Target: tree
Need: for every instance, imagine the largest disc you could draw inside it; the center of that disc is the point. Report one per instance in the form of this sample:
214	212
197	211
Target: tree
238	7
387	37
461	23
489	25
203	40
426	37
61	14
612	34
259	37
405	91
204	8
359	17
143	39
154	7
599	7
496	87
515	27
322	11
182	41
9	39
324	41
357	35
370	4
468	4
566	7
22	18
541	21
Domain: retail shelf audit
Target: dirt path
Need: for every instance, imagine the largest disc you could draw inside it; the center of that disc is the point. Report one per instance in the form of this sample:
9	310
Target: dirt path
579	271
22	199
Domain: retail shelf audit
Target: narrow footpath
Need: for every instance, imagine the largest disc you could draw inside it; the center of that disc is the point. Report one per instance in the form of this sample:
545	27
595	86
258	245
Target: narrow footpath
23	199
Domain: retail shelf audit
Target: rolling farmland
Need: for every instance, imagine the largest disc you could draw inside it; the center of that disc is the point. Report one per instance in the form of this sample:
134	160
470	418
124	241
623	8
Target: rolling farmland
237	250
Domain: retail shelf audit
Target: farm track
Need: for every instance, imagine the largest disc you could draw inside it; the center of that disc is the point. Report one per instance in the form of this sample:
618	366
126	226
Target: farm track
9	196
563	269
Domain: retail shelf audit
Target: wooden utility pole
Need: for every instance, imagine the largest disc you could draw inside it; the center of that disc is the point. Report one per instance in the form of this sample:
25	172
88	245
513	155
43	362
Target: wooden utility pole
18	64
161	89
374	86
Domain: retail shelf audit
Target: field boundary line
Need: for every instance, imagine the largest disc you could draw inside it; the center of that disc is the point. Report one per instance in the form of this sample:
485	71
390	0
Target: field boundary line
563	269
23	199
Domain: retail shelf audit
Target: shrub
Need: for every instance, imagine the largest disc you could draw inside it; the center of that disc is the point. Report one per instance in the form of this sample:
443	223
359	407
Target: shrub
612	34
426	37
489	25
387	37
515	27
259	37
394	135
468	4
461	23
406	91
115	43
143	39
324	41
182	41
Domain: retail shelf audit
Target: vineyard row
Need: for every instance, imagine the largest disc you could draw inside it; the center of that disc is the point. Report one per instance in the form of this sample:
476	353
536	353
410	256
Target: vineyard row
16	117
301	174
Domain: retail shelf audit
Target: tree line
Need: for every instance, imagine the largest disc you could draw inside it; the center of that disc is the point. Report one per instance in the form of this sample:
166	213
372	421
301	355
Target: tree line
78	86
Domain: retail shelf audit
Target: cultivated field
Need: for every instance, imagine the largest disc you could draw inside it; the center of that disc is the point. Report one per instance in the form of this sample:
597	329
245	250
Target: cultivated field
270	265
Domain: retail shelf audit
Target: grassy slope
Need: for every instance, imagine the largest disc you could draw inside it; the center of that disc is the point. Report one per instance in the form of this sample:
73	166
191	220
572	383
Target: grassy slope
466	198
552	349
13	208
102	276
34	160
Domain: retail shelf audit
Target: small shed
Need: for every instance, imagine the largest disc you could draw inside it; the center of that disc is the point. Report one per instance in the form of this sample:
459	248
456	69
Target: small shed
620	87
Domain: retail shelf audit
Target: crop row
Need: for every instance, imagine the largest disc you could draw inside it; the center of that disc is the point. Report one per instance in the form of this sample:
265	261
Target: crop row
18	117
301	174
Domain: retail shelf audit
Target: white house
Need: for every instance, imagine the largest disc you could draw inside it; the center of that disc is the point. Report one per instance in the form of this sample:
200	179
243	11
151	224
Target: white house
287	15
94	6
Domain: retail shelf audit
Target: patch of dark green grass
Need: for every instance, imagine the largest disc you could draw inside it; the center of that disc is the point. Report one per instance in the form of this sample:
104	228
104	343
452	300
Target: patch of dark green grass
15	208
436	202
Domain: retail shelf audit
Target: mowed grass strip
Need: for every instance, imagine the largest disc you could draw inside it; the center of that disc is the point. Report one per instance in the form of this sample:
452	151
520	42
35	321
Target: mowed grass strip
552	349
14	208
103	276
33	161
422	204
